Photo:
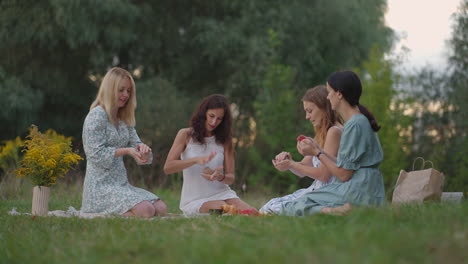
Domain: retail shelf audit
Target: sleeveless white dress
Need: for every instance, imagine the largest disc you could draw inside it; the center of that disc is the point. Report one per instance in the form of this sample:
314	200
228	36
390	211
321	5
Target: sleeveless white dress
196	190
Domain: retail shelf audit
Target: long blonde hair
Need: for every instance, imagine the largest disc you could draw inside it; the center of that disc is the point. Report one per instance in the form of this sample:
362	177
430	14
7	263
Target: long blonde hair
108	94
318	96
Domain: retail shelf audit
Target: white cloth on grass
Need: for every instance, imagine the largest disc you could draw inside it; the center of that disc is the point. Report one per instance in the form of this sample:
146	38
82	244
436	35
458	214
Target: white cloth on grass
72	212
274	205
68	213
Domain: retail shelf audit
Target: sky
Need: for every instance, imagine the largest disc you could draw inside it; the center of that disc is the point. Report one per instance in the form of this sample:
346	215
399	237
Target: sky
425	26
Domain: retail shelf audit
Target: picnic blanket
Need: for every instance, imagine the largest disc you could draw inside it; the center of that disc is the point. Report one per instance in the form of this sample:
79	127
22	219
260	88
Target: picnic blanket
72	212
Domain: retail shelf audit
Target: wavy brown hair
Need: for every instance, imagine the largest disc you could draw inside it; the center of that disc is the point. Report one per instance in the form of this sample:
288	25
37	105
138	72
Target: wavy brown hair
318	96
223	132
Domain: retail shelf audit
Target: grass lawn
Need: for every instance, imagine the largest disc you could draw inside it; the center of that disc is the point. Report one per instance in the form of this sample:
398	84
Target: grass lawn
431	233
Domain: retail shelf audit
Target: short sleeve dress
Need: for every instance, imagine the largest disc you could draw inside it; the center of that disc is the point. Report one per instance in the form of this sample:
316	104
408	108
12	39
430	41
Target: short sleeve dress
106	188
359	150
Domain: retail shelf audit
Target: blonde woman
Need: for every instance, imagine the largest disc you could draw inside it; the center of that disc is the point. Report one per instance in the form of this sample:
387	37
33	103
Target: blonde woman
328	129
109	134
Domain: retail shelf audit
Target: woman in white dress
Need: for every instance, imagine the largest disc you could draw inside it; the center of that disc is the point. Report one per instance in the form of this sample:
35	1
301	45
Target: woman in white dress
328	129
206	158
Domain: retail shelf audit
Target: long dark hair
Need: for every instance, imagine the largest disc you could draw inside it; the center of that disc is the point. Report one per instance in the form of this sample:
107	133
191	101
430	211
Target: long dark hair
223	132
318	96
349	85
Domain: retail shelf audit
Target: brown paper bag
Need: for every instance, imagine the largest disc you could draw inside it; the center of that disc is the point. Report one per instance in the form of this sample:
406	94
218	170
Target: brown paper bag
418	185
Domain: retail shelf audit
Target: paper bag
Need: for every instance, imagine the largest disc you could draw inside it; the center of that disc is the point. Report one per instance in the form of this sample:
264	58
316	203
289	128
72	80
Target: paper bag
418	186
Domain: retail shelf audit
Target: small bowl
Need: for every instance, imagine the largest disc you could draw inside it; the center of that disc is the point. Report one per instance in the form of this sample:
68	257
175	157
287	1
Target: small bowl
216	211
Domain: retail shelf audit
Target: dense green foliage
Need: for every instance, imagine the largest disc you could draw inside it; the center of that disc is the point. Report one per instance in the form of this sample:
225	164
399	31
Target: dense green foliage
52	47
262	54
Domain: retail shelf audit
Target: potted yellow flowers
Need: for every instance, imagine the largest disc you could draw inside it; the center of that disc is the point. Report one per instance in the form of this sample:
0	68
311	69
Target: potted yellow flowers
46	158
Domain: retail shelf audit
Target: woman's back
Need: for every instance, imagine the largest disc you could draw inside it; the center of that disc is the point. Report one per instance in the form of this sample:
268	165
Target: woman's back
360	151
359	147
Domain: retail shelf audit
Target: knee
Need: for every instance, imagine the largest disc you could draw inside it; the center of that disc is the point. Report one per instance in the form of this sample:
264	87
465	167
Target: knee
144	209
160	208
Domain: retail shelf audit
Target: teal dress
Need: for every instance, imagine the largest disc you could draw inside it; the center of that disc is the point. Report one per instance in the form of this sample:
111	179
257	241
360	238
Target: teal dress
360	151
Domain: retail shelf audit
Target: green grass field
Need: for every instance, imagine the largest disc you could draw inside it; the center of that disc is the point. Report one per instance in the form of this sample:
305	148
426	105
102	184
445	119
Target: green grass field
431	233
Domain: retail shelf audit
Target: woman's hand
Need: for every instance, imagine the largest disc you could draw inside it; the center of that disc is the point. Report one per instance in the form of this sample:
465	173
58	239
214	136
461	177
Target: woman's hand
308	147
138	156
282	156
145	152
205	159
281	161
283	165
143	148
299	149
212	175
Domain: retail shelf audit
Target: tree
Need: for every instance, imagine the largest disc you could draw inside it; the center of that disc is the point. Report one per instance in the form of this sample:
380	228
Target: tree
379	95
20	104
456	167
437	101
58	51
51	47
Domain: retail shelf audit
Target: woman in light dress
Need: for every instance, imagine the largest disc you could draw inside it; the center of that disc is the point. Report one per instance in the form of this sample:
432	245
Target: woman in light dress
360	181
328	131
205	154
109	134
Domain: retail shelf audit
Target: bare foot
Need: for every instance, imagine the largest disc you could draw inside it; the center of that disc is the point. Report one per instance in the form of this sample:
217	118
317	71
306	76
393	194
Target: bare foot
340	210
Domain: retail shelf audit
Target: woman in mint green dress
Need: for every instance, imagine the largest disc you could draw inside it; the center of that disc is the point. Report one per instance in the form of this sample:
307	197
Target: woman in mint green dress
360	181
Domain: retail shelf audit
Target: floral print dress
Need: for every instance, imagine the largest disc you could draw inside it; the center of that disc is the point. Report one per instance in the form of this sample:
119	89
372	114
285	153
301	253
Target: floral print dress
275	205
106	188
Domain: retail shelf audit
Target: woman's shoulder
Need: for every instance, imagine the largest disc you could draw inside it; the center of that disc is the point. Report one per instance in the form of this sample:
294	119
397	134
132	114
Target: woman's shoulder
185	134
334	132
97	114
335	129
96	119
333	135
357	120
358	126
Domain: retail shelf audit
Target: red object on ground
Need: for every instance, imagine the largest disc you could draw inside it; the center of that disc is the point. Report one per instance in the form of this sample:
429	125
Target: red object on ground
301	137
248	212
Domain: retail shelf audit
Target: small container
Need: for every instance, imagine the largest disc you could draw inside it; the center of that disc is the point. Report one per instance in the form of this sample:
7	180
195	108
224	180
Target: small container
455	197
216	211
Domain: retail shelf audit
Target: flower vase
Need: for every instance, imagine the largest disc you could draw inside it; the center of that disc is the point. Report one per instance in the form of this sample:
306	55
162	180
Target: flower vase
40	201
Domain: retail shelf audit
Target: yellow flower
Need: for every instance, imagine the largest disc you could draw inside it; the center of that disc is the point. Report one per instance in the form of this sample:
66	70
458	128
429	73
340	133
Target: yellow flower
47	157
51	163
9	153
